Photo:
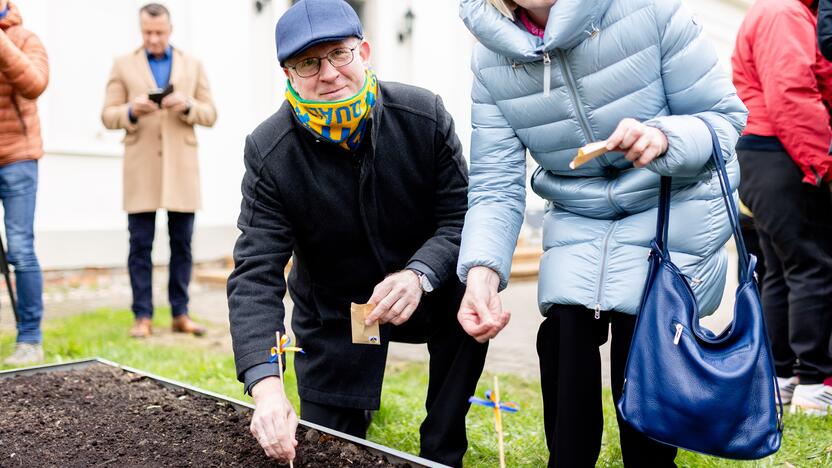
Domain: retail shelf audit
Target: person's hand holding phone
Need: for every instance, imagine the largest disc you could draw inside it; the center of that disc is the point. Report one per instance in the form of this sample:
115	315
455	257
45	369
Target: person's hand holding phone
142	105
176	102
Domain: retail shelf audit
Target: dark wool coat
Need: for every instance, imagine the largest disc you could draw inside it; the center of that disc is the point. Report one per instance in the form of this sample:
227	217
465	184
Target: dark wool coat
349	220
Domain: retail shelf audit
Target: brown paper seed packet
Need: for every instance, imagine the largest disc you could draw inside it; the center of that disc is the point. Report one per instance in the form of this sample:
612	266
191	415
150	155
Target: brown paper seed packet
361	333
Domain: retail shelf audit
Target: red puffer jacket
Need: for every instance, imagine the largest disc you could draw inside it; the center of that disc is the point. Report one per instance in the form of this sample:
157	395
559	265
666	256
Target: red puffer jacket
24	73
786	83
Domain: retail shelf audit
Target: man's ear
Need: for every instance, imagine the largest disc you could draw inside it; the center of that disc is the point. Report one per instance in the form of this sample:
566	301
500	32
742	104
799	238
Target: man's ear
288	75
364	52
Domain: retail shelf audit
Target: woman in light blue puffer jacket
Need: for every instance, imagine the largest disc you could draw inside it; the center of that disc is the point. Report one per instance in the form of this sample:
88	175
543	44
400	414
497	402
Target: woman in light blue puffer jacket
549	77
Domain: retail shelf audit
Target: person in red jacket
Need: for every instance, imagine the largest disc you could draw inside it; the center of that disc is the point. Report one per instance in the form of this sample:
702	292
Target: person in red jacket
786	167
24	74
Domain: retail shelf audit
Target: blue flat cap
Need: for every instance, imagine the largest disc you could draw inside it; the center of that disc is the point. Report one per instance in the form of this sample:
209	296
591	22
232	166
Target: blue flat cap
310	22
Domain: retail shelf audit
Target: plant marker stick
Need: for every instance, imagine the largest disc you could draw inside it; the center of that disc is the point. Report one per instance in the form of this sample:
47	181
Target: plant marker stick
280	372
498	422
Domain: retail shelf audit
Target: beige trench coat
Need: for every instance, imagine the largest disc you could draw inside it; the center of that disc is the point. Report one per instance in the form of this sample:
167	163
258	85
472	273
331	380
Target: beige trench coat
160	150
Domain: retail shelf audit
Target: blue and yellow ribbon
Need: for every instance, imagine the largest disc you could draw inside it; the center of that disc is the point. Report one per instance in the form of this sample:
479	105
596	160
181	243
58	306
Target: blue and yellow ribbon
491	401
285	341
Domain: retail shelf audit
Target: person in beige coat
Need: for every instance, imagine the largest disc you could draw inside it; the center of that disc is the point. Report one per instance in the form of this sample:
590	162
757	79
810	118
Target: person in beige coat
161	169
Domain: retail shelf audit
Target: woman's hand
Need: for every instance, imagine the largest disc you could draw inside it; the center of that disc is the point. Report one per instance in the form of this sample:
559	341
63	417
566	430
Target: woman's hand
481	313
641	143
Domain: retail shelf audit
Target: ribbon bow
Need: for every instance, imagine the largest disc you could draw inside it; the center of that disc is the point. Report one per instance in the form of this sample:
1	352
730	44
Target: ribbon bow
285	341
490	401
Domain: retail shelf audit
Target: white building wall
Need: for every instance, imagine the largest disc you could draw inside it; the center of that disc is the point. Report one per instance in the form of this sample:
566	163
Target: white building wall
79	221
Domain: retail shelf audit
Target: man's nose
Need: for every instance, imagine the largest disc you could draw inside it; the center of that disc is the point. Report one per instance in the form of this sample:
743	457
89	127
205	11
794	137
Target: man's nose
328	72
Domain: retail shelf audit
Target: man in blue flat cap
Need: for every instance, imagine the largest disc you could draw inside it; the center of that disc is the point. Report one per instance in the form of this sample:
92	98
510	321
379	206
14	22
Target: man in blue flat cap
364	183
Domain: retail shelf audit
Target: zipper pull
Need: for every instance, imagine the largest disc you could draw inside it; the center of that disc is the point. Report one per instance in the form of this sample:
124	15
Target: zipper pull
597	311
678	335
547	73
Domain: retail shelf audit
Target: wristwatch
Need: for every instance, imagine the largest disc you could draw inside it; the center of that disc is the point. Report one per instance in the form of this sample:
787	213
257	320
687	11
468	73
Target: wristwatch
424	282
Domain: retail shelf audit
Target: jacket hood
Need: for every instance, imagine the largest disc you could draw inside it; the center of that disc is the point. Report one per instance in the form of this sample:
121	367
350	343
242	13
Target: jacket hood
570	22
12	18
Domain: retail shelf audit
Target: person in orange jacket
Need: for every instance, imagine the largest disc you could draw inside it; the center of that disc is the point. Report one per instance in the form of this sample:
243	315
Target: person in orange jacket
24	73
786	167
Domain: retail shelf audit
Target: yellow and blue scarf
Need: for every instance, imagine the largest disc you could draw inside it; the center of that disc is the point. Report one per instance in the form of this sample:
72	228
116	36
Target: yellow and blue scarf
341	122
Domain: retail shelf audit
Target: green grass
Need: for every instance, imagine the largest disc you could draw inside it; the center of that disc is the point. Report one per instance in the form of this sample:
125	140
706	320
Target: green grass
807	442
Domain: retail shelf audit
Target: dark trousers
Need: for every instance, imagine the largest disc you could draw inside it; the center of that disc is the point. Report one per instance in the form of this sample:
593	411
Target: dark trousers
142	227
570	373
794	223
456	362
752	244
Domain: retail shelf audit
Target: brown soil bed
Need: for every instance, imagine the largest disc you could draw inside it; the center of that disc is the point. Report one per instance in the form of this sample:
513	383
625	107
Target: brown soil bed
105	416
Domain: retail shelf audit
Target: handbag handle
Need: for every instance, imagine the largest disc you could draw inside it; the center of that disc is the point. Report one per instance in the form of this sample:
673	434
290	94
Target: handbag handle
663	218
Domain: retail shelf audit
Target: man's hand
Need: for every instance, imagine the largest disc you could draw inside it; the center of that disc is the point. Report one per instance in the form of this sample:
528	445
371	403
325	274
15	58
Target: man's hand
176	102
274	421
481	313
142	105
641	142
396	298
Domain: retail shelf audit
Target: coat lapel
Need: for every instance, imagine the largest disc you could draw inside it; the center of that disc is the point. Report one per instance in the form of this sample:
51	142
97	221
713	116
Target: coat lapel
176	70
143	68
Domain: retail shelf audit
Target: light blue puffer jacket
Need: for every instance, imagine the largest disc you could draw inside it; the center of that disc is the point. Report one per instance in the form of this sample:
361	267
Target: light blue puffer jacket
607	59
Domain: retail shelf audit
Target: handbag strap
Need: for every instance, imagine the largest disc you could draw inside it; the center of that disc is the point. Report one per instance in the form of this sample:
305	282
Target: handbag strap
730	205
663	218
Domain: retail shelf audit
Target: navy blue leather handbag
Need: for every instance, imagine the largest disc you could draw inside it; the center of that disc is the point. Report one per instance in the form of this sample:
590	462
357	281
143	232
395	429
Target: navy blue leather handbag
686	386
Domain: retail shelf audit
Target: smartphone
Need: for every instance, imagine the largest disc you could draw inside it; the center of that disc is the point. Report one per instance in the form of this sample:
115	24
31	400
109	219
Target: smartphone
158	94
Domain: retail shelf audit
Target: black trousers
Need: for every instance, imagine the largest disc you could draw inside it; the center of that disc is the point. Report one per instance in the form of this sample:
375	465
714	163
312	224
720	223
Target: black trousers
456	362
794	223
752	244
142	228
570	374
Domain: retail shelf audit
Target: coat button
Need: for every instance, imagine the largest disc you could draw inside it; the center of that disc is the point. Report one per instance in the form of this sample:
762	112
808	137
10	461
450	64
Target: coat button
160	153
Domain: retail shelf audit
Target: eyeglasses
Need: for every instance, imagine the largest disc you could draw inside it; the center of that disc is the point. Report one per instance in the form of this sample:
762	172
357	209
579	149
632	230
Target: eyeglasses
310	66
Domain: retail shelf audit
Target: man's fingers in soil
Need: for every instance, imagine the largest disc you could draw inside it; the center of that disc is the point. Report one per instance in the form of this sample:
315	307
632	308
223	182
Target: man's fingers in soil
259	432
285	444
263	440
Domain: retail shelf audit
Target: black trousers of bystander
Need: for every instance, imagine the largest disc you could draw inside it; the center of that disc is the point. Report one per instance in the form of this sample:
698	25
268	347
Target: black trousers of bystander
794	223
